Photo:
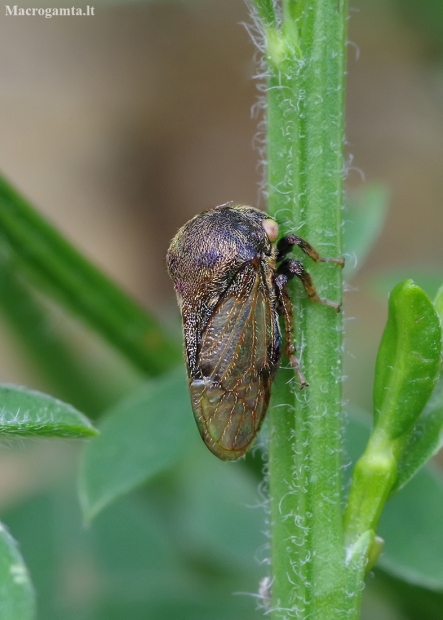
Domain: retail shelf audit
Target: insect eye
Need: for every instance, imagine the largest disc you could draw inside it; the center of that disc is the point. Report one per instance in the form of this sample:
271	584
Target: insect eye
271	229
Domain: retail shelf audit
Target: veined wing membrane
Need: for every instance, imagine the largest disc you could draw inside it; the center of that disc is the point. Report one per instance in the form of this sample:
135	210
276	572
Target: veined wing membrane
231	399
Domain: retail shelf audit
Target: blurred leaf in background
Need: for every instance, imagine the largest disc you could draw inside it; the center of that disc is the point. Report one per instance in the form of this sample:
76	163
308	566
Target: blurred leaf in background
17	599
176	550
427	18
139	438
364	218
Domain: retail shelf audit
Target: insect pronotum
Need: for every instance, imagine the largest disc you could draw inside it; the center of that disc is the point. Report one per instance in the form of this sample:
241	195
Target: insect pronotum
231	281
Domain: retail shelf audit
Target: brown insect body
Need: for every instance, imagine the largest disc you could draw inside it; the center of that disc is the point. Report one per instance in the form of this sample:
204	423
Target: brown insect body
223	263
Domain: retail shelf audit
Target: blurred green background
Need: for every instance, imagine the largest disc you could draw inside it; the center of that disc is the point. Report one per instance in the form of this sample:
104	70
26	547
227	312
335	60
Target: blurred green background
120	127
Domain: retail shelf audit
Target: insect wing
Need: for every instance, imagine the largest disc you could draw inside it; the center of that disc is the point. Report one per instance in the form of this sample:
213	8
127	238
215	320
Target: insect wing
238	357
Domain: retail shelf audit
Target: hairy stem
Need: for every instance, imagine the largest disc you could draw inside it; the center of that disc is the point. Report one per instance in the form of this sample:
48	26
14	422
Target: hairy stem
305	104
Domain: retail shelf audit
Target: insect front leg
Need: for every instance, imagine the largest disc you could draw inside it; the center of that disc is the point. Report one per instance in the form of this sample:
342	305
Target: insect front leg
285	310
285	245
291	268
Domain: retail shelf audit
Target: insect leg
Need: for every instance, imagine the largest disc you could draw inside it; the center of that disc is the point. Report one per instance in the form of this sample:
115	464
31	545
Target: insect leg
291	268
285	309
285	245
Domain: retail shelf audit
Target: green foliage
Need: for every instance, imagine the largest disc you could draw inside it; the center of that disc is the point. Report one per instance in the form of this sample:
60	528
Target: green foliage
174	550
409	523
57	267
408	360
364	217
17	600
424	441
426	438
27	413
419	561
407	365
141	436
29	320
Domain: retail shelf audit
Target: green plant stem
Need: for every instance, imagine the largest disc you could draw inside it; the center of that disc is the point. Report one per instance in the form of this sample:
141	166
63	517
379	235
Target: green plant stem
49	259
372	481
306	62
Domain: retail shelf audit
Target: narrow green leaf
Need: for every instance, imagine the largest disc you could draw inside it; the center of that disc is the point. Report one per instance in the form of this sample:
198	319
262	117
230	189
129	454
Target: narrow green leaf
425	440
45	256
26	412
140	437
16	591
45	344
407	361
365	215
427	437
